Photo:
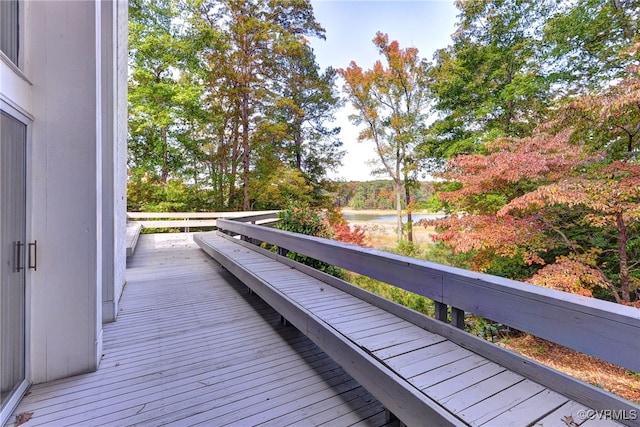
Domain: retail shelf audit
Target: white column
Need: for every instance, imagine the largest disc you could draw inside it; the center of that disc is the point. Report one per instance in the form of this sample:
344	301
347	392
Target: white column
114	153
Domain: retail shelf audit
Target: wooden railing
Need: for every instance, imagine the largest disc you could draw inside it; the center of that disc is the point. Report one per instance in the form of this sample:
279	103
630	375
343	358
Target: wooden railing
187	220
602	329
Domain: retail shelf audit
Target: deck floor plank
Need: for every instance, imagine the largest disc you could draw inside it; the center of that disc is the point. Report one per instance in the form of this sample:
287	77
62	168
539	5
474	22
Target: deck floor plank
499	403
391	338
522	414
447	371
462	397
575	414
190	339
344	308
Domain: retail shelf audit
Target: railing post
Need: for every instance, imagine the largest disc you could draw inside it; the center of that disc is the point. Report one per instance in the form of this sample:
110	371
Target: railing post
392	418
441	311
457	318
282	251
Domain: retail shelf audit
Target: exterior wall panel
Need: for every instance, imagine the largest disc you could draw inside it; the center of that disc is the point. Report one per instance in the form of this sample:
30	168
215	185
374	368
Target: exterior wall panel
64	67
114	85
71	84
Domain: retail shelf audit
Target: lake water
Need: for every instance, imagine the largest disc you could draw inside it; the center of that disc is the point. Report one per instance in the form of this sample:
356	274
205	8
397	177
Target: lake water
386	217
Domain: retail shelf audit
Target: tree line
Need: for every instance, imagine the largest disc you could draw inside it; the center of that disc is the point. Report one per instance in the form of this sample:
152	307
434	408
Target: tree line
529	118
380	194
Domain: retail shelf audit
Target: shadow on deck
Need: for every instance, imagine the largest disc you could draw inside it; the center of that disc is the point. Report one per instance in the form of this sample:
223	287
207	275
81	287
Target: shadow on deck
192	346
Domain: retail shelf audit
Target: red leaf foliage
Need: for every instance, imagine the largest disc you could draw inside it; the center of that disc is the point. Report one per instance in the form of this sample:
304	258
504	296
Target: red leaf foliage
541	157
613	189
570	275
506	236
533	194
354	234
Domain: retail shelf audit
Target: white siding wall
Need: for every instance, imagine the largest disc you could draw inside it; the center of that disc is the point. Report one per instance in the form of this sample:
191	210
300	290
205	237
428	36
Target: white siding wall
61	62
114	84
120	196
72	86
73	157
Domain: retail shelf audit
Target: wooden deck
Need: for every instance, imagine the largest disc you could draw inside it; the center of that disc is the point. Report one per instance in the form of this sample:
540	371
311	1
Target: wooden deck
192	346
463	387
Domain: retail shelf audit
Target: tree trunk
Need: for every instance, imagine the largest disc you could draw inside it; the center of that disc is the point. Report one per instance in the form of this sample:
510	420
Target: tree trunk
165	157
407	197
625	277
298	146
245	152
398	209
234	165
398	183
220	169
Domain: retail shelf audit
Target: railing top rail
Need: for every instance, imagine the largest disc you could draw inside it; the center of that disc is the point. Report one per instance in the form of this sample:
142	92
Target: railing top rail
600	328
200	215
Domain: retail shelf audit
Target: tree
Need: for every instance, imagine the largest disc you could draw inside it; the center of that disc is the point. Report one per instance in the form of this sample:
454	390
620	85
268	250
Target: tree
392	103
306	101
566	200
167	111
225	93
512	60
489	82
154	93
587	43
610	196
252	87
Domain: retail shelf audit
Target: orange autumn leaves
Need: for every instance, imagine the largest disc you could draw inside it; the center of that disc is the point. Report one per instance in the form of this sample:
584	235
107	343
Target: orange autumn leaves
391	105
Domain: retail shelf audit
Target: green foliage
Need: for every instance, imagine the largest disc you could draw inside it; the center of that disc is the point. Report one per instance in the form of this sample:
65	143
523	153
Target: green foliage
277	187
162	107
393	293
145	194
511	267
587	42
407	248
377	194
301	218
488	84
444	254
486	329
432	204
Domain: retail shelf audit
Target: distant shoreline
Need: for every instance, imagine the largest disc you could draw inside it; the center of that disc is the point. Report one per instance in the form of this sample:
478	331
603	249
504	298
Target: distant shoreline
379	211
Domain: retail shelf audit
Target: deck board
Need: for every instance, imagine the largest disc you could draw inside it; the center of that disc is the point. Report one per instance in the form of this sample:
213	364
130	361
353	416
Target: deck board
191	345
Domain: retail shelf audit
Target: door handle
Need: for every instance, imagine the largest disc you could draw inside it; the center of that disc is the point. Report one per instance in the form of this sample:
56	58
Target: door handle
19	267
33	260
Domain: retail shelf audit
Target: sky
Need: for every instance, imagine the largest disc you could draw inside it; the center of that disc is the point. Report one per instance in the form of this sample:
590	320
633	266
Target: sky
350	28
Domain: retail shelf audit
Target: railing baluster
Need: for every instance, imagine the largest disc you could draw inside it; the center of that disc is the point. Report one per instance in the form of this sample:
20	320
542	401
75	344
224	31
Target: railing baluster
457	318
282	251
441	311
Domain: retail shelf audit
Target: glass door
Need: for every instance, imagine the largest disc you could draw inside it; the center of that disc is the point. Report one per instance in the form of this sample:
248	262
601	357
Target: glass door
13	262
